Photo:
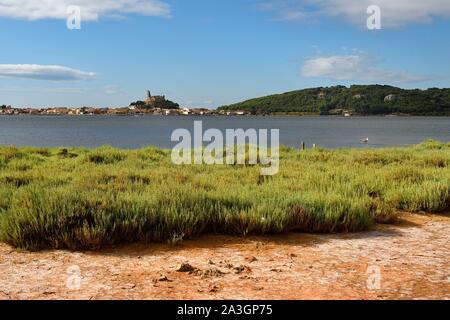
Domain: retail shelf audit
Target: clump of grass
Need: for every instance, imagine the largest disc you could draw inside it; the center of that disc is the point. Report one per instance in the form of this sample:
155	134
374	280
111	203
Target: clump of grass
66	153
106	196
45	152
436	161
7	154
106	155
433	145
16	179
21	165
424	197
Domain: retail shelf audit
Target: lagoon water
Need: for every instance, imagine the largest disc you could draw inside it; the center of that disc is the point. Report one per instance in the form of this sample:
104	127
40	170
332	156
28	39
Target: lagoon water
141	131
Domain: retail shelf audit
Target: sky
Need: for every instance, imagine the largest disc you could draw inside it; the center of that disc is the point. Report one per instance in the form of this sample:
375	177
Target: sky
208	53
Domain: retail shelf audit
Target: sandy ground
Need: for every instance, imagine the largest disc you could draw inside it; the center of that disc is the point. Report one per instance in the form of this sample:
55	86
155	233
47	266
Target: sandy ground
403	261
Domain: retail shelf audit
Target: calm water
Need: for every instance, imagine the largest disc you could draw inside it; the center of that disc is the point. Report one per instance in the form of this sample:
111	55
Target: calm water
136	132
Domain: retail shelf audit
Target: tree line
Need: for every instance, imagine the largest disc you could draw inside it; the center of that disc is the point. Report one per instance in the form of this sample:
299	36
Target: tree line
357	99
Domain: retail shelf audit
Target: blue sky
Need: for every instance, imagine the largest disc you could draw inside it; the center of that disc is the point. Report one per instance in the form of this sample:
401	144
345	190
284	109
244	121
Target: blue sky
204	53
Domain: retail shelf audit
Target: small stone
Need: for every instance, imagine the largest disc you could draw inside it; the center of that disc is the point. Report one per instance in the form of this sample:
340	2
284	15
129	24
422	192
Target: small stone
129	286
164	278
187	268
211	273
241	268
214	289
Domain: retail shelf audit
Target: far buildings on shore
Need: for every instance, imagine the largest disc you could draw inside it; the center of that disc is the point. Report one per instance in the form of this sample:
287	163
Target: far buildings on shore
152	105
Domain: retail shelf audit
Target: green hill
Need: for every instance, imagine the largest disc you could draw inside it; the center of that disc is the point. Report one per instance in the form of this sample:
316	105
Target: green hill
358	99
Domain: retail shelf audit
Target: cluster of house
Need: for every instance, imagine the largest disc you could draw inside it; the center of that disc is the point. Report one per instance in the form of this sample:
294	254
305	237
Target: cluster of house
153	105
341	112
132	110
8	110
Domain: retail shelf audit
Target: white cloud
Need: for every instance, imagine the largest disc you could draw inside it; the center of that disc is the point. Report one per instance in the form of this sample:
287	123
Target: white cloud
111	90
42	89
91	10
394	12
43	72
356	66
292	15
284	10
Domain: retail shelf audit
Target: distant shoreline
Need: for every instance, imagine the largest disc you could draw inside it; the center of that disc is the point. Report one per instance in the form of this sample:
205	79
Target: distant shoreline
225	116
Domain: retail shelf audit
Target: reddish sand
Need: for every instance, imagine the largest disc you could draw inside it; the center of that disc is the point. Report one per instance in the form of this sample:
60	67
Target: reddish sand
413	258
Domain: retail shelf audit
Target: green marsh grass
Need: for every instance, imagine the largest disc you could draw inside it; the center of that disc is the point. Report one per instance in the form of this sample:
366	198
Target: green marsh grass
78	198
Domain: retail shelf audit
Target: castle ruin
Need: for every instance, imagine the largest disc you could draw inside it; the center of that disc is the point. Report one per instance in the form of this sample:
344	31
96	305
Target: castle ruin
154	101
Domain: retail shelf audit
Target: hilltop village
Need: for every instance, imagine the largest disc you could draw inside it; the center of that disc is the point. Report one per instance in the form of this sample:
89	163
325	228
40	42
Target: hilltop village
152	105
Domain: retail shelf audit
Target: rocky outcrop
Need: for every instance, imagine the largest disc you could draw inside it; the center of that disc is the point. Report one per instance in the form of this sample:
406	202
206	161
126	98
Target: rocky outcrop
390	98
